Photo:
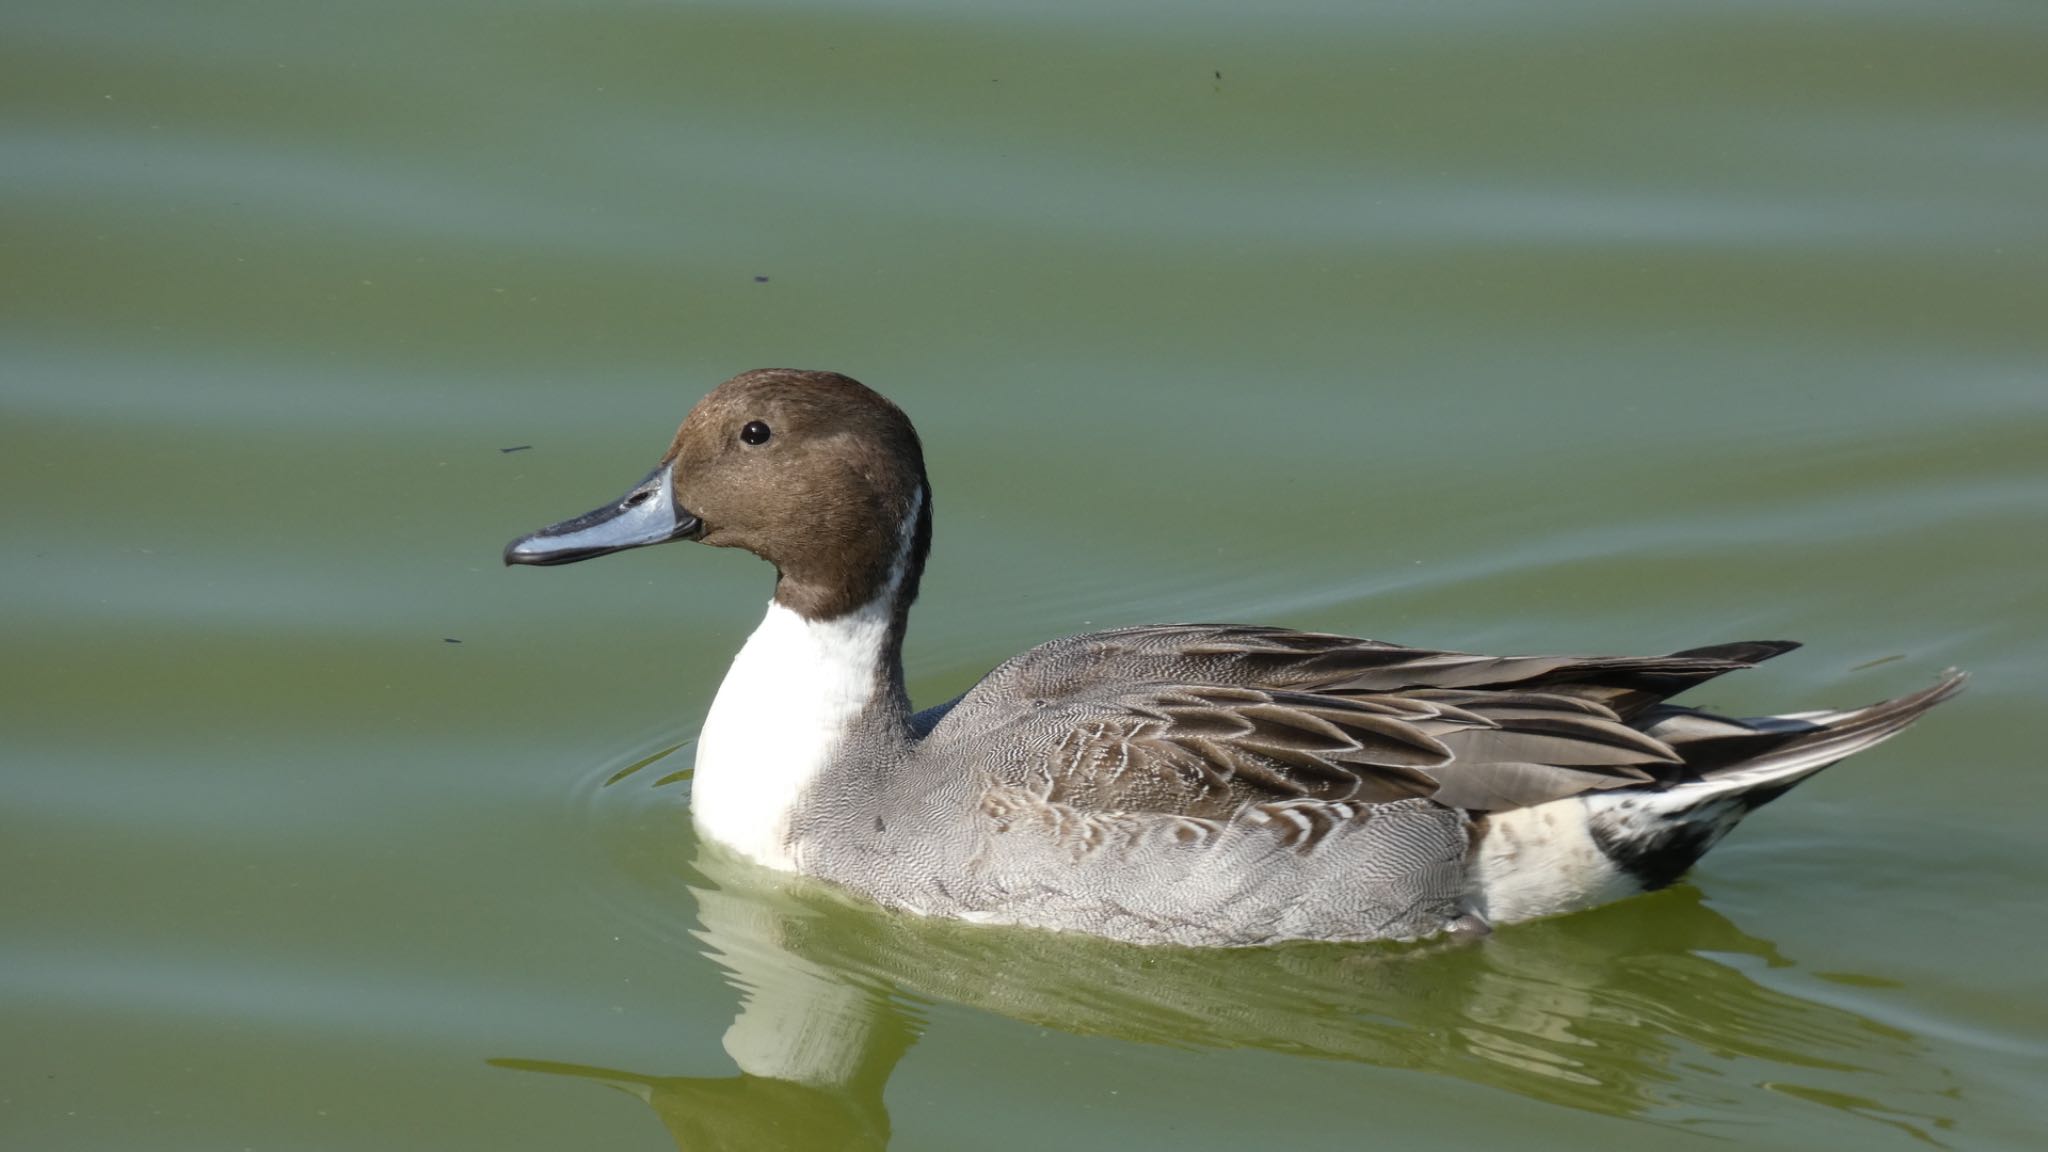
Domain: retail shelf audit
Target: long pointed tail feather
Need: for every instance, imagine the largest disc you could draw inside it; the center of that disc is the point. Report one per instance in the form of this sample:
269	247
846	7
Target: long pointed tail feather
1603	845
1734	756
1739	766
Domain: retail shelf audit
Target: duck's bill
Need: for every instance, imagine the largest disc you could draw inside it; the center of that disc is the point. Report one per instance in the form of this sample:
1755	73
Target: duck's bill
646	514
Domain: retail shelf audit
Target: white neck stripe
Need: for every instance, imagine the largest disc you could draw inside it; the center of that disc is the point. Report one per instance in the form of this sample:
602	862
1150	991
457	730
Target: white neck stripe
794	692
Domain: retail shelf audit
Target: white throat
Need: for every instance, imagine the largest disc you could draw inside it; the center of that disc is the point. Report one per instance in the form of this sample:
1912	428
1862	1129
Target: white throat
780	716
784	710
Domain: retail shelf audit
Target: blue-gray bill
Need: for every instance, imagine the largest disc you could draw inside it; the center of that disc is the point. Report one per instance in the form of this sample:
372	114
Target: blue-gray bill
646	514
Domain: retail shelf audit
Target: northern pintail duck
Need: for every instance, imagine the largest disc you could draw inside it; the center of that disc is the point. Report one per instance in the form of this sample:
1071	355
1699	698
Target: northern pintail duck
1181	783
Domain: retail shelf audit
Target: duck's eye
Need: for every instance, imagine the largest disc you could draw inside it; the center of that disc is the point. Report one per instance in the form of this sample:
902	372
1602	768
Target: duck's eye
755	432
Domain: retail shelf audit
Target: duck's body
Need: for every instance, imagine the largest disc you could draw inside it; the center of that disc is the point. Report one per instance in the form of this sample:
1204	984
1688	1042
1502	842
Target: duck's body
1191	784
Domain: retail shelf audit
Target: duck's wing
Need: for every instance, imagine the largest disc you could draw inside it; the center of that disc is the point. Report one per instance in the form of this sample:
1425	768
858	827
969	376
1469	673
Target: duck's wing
1257	657
1208	750
1204	721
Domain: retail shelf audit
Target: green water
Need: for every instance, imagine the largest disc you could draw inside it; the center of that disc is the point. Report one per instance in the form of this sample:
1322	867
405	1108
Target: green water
1582	326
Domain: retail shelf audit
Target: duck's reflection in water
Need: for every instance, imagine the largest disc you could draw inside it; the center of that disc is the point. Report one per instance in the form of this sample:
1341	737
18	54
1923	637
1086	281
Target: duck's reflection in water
1645	1009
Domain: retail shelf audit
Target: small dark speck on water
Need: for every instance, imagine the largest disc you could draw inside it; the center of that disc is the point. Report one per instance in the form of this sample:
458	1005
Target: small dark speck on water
516	448
1219	73
760	279
450	640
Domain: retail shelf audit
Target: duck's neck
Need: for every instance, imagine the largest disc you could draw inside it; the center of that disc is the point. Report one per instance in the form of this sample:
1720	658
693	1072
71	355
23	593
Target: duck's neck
802	696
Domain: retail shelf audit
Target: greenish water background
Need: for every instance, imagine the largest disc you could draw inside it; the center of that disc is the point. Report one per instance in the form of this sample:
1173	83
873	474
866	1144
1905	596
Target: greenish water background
1584	326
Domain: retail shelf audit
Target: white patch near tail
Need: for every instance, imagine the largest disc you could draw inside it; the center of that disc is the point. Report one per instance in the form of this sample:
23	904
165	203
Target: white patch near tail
1542	861
1586	850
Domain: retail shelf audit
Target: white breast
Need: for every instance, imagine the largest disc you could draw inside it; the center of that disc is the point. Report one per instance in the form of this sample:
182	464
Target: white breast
779	718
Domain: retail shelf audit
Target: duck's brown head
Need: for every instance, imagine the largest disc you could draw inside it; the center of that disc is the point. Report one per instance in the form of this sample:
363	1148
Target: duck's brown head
811	471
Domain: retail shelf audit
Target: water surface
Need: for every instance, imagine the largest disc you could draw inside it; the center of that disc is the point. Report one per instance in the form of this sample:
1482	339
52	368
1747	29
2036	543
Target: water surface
1583	327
